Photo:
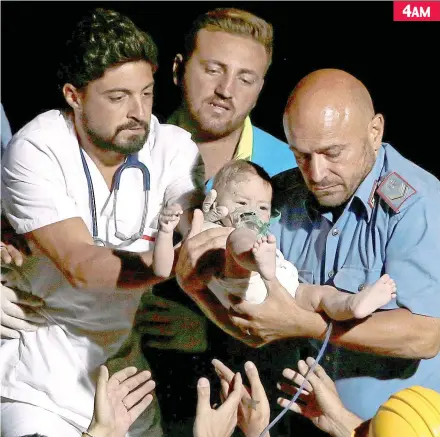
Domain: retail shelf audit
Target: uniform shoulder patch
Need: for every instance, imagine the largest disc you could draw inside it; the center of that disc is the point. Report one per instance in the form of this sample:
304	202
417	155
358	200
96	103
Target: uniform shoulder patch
395	190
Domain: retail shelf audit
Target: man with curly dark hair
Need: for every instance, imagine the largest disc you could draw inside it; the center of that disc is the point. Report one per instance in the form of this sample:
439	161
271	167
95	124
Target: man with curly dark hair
76	184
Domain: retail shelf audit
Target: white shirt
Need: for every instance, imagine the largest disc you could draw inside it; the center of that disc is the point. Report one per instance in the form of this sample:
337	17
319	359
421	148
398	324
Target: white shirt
43	182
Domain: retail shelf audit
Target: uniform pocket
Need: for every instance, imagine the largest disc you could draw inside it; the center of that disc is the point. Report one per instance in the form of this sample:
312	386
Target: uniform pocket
355	279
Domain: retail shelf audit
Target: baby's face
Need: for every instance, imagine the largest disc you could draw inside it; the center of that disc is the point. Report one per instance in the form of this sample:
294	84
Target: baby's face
247	191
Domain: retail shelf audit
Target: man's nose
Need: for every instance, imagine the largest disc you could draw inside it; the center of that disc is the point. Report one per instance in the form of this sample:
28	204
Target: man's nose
136	109
225	86
317	168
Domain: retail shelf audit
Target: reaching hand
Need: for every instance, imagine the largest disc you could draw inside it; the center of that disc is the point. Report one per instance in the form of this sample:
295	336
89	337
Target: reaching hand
270	320
16	307
119	401
220	422
322	404
10	255
201	255
16	312
254	409
278	317
169	218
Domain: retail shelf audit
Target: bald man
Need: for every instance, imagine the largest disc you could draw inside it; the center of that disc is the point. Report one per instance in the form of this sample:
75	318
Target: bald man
353	210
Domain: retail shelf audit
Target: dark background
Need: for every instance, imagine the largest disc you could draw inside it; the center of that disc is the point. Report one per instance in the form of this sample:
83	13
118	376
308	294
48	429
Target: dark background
395	60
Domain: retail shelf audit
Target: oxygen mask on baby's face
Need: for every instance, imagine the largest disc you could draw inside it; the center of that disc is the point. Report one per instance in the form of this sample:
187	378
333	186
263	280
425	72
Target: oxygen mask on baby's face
248	218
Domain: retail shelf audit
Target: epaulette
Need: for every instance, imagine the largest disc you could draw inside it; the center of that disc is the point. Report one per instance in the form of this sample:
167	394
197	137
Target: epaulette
394	190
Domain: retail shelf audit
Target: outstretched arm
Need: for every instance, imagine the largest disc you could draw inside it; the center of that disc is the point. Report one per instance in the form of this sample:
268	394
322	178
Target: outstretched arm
392	332
201	256
70	246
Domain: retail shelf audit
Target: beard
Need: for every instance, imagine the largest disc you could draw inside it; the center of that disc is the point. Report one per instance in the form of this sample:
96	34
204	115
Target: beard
132	144
211	127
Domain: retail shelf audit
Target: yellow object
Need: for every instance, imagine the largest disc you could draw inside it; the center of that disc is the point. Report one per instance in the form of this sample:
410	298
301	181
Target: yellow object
246	143
412	412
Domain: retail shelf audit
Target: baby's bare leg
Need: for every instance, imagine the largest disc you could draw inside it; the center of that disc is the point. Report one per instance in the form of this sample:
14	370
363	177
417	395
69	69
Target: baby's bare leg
339	305
373	297
309	297
163	252
245	253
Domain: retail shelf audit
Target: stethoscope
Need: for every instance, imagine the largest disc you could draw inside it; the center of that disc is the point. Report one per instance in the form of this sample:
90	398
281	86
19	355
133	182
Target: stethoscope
132	161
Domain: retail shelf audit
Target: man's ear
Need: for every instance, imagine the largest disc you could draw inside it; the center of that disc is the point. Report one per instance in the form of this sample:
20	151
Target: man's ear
72	96
178	69
376	129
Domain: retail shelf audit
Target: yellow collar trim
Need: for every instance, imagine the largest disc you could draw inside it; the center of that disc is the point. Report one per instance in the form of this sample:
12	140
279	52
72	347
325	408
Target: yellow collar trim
245	145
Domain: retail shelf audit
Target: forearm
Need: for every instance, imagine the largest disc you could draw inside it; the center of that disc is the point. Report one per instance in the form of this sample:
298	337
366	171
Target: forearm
347	425
397	333
163	254
97	431
69	245
98	268
300	322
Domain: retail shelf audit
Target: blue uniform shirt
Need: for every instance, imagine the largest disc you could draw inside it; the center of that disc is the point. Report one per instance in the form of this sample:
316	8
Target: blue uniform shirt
367	240
6	133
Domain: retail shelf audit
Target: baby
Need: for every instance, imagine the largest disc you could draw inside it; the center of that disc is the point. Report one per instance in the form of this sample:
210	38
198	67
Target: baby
242	192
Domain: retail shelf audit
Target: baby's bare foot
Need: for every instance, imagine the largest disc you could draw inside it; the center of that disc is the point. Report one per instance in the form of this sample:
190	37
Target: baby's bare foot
264	252
373	297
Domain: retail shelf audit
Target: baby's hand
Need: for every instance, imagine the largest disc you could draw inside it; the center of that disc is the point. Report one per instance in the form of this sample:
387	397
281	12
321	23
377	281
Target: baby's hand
211	211
170	217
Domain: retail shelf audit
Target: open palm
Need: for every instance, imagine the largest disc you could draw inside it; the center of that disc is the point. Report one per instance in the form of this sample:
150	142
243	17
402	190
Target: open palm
120	400
254	409
320	399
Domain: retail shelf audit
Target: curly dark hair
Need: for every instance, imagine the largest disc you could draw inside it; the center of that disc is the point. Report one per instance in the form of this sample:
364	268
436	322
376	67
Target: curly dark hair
102	39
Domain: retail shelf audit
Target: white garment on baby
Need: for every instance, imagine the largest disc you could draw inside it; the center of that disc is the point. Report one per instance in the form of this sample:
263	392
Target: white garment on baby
253	289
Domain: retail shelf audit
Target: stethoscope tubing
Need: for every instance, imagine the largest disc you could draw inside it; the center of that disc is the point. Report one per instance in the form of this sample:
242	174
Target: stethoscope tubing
131	162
